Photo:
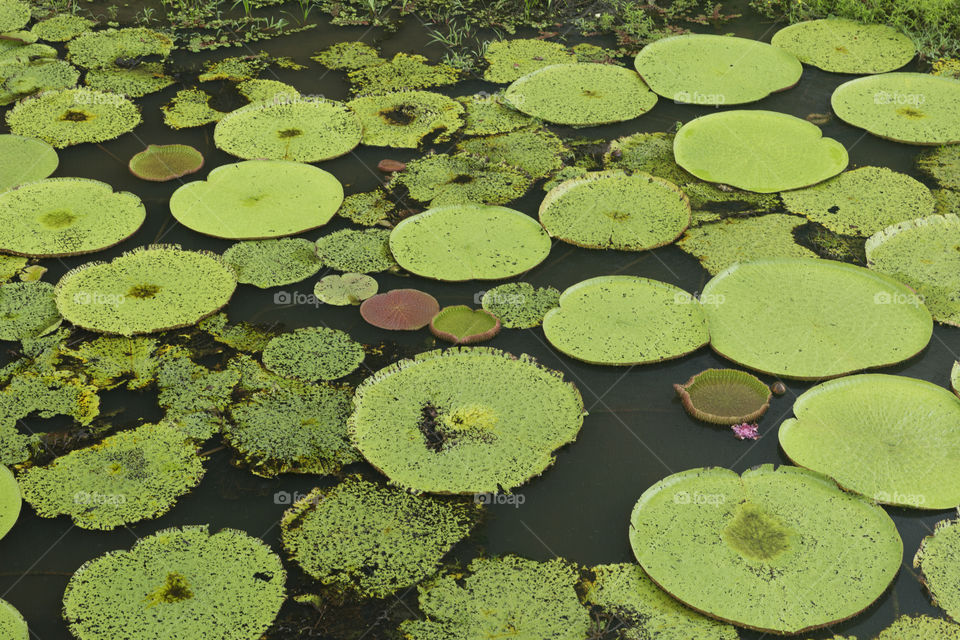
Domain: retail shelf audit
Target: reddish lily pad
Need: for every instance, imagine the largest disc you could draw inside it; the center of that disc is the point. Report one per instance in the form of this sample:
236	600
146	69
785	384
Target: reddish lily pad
724	396
460	324
163	162
400	310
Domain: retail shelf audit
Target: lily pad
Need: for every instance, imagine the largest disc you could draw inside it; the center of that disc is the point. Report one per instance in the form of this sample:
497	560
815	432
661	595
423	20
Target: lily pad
487	114
581	94
615	210
404	72
350	288
537	151
101	49
146	78
519	305
469	242
356	251
811	319
916	108
190	108
164	162
460	324
863	201
27	309
368	208
724	396
750	550
405	118
462	178
12	624
846	46
348	56
146	290
306	130
511	59
922	254
348	536
61	27
400	310
464	420
626	320
943	165
762	151
13	15
272	263
258	199
29	77
113	361
920	628
183	579
59	217
706	69
939	561
25	160
10	503
313	353
955	377
73	116
256	90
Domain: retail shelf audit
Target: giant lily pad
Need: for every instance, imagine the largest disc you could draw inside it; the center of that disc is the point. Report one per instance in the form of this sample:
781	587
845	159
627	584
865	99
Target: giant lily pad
149	289
470	241
182	580
460	324
762	151
710	69
400	310
614	210
101	49
12	624
626	320
811	319
923	255
859	417
750	550
61	27
10	503
66	217
73	116
27	309
519	305
582	94
163	162
313	353
846	46
464	420
724	396
258	199
405	118
302	130
13	15
272	263
462	178
25	160
916	108
939	560
510	59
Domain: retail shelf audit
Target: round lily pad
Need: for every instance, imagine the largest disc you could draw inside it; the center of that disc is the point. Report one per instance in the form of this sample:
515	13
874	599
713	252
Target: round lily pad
12	624
25	160
581	94
939	561
750	550
10	503
508	60
811	319
519	305
149	289
102	49
400	310
347	536
923	255
615	210
626	320
460	324
916	108
846	46
164	162
469	242
877	446
707	69
73	116
187	580
301	130
724	396
27	309
462	178
464	420
863	201
487	114
356	250
66	217
273	263
61	27
350	288
761	151
258	199
405	118
313	353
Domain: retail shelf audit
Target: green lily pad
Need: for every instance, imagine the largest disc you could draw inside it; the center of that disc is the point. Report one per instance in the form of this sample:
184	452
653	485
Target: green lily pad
273	263
27	309
190	108
955	377
922	254
875	446
146	78
12	624
164	162
920	628
58	217
487	114
242	336
519	305
350	288
101	49
73	116
405	118
13	15
112	361
25	160
258	199
537	151
707	69
846	46
462	178
615	210
313	353
464	420
185	580
10	503
235	68
943	165
762	543
916	108
762	151
356	251
724	396
368	208
372	540
404	72
307	130
511	59
863	201
460	324
811	319
256	90
939	562
581	94
348	56
21	79
626	320
146	290
61	27
469	242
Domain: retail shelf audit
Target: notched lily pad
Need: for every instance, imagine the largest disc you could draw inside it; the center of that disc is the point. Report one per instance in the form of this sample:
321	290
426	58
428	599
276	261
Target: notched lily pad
724	396
190	108
164	162
400	310
460	324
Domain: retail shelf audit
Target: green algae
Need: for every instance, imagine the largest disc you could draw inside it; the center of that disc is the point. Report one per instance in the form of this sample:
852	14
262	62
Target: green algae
27	309
460	178
461	324
61	27
348	56
313	353
25	160
404	119
350	288
73	116
368	208
10	503
942	164
404	72
939	562
920	628
165	162
21	79
146	78
512	59
537	151
190	108
12	624
846	46
113	361
272	263
487	114
519	305
356	250
101	49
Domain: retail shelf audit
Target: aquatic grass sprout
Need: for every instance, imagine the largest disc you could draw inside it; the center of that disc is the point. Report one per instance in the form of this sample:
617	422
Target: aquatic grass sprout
101	49
404	118
165	162
724	396
400	310
24	160
846	46
12	624
313	353
511	59
460	324
73	116
461	178
356	250
10	503
520	305
273	263
347	289
27	310
939	562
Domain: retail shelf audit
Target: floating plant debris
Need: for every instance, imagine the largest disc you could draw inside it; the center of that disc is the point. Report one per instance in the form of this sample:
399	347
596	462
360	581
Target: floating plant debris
350	288
460	324
273	263
10	503
12	624
519	305
939	562
313	353
767	536
846	46
464	420
462	178
27	309
400	310
405	118
511	59
101	49
724	396
73	116
356	250
164	162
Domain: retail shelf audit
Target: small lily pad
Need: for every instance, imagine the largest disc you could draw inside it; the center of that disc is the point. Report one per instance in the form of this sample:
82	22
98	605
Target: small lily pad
511	59
939	562
350	288
356	251
313	353
846	46
190	108
13	15
400	310
27	309
348	56
273	263
25	160
404	72
519	305
405	118
460	324
164	162
73	116
724	396
10	503
537	151
367	208
487	114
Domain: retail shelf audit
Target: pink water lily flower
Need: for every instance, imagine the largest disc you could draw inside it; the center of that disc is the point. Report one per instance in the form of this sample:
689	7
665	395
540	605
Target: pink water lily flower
746	431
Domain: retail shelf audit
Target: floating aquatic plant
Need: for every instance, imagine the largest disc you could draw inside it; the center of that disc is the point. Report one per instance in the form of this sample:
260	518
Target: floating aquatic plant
625	320
469	242
27	309
272	263
11	266
267	91
400	310
102	49
10	503
184	579
61	27
462	178
846	46
26	78
724	396
762	151
464	420
403	119
73	116
313	353
356	251
511	59
746	431
13	15
164	162
49	394
764	540
146	78
863	319
350	288
350	536
939	562
581	94
192	395
405	72
518	305
12	624
943	165
190	108
955	377
241	336
537	151
707	69
460	324
145	290
348	56
112	361
487	114
367	208
920	628
258	199
235	68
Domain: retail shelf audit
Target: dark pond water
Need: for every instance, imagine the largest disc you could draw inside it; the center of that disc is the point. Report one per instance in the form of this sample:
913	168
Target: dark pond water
636	432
